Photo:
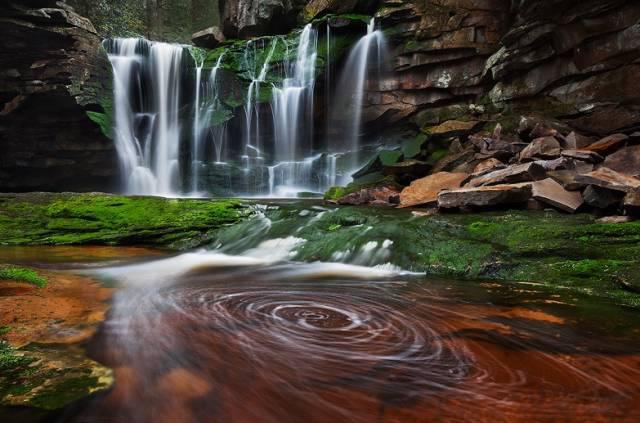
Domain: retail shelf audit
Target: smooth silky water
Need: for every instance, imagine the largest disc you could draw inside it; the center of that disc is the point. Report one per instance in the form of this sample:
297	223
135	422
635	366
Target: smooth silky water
251	329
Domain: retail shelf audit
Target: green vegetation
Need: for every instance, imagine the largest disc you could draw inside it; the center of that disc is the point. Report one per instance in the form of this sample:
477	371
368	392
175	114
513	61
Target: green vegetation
101	219
47	378
22	274
562	252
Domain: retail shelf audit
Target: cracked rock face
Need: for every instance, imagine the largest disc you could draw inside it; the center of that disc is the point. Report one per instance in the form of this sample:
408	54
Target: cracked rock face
55	101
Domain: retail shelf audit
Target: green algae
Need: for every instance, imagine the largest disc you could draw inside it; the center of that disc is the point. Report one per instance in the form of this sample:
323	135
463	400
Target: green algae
22	274
101	219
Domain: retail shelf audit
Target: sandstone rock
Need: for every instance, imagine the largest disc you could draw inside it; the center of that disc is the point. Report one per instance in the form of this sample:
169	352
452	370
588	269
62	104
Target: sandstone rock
583	155
576	141
483	197
425	191
626	161
550	192
607	178
561	163
453	128
566	178
601	198
501	149
608	144
208	38
373	195
541	148
488	165
515	173
631	203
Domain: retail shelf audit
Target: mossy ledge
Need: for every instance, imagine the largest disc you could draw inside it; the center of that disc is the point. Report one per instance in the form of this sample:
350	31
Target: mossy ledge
103	219
21	274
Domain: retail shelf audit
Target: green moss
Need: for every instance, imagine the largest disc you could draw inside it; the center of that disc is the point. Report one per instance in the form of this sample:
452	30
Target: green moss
64	392
22	274
334	193
4	330
65	219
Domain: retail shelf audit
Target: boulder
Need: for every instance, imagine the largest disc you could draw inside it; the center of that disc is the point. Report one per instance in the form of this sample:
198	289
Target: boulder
501	149
424	191
208	38
610	179
550	192
561	163
608	144
514	173
601	198
383	195
484	197
576	141
631	204
487	166
566	178
541	148
625	160
453	128
583	155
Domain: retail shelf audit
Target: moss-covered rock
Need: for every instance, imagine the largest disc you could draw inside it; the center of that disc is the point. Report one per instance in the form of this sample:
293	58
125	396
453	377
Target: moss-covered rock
65	219
48	378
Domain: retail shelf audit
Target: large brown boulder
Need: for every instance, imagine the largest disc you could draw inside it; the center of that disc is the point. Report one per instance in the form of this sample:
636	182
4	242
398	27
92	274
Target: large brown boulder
485	197
424	191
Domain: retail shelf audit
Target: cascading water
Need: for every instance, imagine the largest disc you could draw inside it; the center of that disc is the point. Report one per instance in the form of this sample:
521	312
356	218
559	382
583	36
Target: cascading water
371	49
205	103
148	81
292	106
147	133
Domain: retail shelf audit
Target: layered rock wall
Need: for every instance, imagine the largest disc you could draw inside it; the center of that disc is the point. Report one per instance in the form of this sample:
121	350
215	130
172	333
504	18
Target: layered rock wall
55	101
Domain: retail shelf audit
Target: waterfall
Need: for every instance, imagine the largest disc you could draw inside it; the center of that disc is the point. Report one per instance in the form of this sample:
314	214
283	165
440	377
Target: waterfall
205	102
151	112
292	106
352	84
147	133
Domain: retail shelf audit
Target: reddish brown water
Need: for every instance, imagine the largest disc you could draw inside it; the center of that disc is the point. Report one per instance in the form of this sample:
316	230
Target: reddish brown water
247	345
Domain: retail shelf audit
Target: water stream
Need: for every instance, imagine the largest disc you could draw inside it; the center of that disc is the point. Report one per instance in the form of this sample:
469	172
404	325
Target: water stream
247	330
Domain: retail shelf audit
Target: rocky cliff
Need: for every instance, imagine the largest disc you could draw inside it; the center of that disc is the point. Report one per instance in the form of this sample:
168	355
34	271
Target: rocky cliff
496	59
55	101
